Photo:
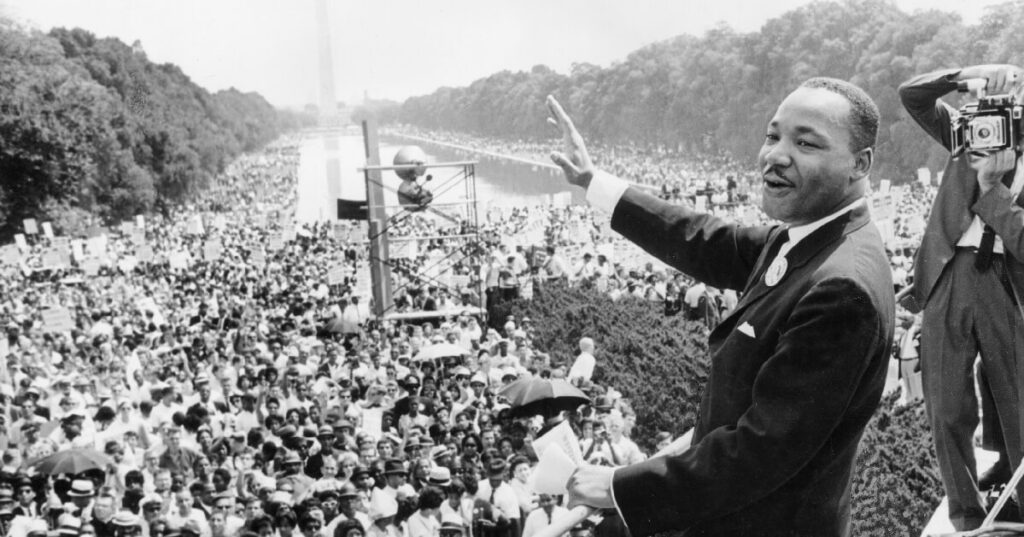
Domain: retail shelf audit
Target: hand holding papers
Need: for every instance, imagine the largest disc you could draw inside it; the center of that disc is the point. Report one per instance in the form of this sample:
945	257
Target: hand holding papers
560	456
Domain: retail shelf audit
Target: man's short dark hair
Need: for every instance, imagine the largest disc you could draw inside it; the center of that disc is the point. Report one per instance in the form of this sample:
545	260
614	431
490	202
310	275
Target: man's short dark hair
863	110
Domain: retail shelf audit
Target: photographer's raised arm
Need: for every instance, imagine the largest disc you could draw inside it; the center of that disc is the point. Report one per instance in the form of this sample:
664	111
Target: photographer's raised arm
921	95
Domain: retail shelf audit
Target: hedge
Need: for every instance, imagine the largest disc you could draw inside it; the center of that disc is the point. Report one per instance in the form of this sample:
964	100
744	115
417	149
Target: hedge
661	364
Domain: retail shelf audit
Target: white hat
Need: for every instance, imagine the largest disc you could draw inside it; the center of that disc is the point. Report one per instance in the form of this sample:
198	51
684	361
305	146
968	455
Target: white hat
82	488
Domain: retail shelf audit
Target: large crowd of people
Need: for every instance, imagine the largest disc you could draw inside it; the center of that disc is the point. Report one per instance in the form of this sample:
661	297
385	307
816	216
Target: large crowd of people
225	362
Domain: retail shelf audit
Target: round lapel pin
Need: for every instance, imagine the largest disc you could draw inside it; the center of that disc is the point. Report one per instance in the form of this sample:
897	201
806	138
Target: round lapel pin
776	271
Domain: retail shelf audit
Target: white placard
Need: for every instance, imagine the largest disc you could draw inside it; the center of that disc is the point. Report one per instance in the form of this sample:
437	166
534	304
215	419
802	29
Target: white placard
373	420
140	221
48	230
145	253
57	320
405	249
195	225
179	260
19	239
924	176
90	267
78	249
31	228
10	255
288	233
336	276
52	258
275	242
701	204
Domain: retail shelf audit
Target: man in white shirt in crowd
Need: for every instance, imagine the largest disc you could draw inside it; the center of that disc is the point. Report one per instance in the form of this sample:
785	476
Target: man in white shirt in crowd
583	368
548	513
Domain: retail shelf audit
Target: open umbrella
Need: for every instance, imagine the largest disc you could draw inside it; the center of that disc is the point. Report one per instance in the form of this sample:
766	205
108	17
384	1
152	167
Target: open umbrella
439	350
72	461
547	397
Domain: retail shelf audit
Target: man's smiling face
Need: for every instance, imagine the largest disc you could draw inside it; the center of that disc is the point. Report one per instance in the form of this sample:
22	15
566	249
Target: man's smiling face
807	162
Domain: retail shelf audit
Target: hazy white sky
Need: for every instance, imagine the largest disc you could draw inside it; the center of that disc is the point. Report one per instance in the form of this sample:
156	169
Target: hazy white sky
398	48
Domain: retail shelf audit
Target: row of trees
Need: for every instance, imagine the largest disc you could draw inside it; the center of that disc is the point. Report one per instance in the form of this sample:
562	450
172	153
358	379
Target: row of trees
661	364
718	91
91	126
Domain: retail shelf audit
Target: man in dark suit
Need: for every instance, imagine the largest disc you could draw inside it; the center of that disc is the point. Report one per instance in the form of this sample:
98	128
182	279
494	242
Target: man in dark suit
798	367
967	277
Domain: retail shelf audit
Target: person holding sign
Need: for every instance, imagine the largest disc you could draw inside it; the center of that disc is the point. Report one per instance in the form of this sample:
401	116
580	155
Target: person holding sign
798	367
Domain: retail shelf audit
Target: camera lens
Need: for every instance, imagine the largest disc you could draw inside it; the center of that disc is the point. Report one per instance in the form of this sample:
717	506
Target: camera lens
984	132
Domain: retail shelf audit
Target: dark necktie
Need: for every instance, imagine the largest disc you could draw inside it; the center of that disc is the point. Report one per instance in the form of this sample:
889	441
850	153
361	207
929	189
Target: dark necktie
773	251
988	237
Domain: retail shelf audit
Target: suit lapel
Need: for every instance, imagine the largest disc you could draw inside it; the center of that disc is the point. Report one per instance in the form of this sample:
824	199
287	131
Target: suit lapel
803	252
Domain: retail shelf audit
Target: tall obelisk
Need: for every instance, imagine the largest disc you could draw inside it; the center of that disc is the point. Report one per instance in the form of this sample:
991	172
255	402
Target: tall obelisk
328	111
328	101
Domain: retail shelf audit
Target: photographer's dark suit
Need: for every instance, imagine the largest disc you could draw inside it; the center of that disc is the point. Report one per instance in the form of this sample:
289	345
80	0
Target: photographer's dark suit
966	310
797	371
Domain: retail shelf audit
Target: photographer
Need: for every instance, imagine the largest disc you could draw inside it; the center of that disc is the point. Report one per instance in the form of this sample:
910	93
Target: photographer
967	280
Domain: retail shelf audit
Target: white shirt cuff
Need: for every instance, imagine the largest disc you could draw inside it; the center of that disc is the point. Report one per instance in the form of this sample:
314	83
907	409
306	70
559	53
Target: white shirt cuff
605	190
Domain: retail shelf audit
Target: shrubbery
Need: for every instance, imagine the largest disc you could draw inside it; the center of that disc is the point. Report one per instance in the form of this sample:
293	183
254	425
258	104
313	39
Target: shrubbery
660	363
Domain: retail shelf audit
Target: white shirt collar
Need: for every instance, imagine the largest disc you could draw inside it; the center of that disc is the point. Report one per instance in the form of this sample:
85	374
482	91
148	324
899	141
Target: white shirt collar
798	233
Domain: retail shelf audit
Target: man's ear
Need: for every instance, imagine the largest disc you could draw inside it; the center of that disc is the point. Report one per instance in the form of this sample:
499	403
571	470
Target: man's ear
863	160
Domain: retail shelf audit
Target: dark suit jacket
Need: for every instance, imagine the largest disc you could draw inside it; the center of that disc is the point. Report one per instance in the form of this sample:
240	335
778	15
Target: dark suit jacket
784	409
957	200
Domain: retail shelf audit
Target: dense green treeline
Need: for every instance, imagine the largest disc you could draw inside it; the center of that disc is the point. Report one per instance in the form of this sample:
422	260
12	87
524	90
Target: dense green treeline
90	126
717	92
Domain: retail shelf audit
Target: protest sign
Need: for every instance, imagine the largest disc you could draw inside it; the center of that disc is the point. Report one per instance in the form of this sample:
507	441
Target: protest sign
90	267
145	253
140	222
211	250
57	319
195	225
31	228
78	249
179	260
373	420
275	242
48	230
288	232
10	255
51	258
335	276
405	249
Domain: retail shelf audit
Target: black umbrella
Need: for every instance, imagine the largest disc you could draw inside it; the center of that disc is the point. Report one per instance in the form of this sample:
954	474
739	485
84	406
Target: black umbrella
547	397
72	461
